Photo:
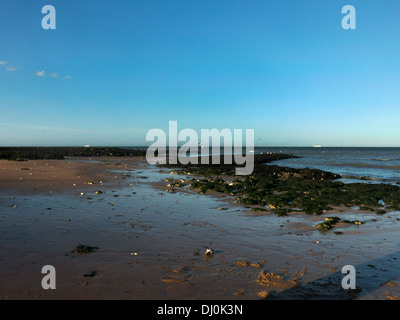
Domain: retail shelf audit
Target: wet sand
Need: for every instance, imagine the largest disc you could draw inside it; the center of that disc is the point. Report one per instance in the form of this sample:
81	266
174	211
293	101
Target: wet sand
151	242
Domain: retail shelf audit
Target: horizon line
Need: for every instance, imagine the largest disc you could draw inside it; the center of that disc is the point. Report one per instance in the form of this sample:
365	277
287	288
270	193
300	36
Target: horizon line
143	146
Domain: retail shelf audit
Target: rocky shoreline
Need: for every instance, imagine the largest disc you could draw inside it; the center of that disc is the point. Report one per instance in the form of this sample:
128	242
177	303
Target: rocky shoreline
283	190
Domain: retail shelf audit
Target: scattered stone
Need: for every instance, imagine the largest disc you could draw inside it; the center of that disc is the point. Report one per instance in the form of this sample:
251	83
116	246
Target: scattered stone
302	273
391	284
242	263
264	294
275	280
389	296
239	293
256	265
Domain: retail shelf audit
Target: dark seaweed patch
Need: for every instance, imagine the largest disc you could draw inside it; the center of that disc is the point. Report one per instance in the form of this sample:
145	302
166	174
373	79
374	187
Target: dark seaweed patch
285	189
81	248
330	222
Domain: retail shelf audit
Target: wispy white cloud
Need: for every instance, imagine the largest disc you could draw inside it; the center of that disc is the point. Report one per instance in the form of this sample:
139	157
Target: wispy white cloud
39	73
11	68
42	73
7	66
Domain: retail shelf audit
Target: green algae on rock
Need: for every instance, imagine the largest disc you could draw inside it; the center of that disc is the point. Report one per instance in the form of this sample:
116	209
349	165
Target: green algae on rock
282	190
330	222
81	248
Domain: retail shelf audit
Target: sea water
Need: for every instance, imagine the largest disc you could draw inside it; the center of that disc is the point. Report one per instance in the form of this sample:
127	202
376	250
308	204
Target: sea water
372	165
354	164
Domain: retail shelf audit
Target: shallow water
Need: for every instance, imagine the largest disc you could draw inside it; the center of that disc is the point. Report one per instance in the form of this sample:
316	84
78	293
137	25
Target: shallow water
377	164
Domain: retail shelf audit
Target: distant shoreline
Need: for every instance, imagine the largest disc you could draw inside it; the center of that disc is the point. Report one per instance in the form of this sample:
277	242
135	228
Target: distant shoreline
59	153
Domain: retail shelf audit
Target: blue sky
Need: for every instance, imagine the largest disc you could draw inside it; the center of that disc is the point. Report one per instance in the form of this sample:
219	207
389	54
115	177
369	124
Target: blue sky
112	70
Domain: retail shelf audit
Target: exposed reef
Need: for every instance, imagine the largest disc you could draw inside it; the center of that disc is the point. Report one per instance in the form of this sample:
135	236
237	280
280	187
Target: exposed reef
283	190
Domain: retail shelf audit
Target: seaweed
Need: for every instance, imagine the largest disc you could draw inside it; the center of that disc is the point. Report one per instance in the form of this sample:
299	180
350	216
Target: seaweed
330	222
284	189
311	196
84	249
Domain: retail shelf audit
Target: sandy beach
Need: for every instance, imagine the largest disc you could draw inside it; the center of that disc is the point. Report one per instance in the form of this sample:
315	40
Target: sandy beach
151	243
